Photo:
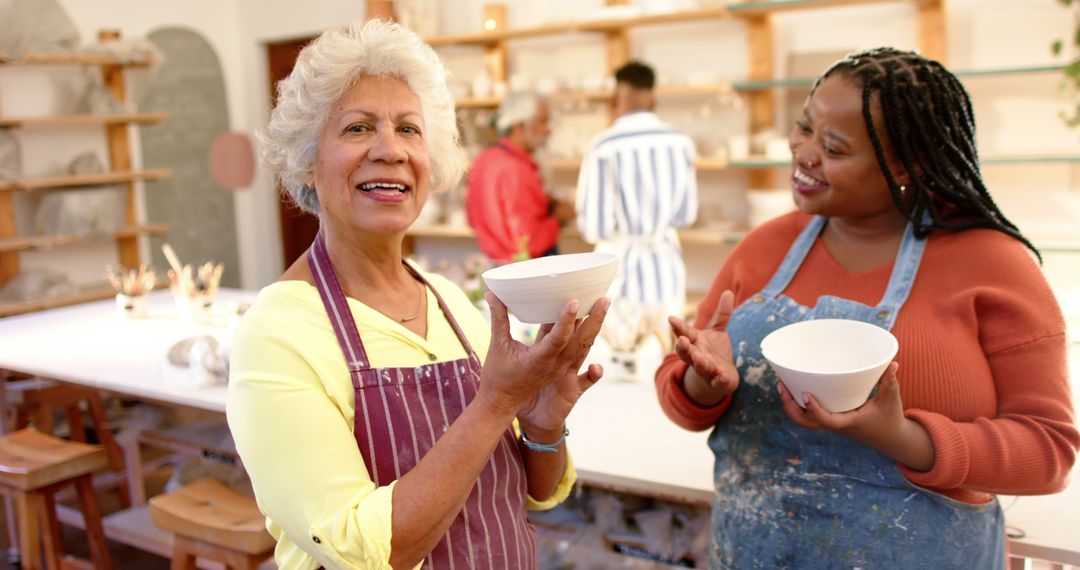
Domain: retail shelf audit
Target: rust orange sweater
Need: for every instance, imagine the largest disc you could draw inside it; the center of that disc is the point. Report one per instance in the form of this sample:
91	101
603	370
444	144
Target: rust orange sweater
982	354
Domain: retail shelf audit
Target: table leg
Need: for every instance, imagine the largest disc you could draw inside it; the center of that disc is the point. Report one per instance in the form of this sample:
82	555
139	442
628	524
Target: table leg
134	467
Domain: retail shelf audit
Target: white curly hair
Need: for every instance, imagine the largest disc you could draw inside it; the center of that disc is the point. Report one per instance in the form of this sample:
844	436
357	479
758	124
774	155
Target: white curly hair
325	69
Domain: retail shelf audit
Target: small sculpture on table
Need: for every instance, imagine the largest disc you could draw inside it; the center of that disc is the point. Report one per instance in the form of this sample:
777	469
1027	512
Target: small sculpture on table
132	288
194	289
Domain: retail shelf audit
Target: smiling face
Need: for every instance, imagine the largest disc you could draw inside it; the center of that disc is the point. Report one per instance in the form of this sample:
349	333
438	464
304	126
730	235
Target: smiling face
372	167
835	171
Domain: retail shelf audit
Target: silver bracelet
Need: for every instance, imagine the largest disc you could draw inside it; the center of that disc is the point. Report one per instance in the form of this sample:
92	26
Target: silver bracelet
545	447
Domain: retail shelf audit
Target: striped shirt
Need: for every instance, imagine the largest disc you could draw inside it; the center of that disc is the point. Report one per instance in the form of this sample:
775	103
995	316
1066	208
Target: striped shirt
635	187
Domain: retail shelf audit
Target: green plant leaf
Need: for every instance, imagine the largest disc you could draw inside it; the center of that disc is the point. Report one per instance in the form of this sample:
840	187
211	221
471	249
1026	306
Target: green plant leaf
1073	69
1055	48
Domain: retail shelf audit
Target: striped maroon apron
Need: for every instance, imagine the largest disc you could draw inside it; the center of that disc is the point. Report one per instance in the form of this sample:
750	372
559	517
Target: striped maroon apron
400	414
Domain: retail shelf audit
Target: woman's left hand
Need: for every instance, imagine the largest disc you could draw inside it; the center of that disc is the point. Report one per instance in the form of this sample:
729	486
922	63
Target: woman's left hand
880	414
879	423
547	412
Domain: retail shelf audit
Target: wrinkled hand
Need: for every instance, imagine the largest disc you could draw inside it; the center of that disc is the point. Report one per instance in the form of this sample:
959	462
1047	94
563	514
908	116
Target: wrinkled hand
540	383
879	418
708	351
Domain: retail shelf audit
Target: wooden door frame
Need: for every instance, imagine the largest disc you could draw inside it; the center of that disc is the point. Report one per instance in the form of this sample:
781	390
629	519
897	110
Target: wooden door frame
298	228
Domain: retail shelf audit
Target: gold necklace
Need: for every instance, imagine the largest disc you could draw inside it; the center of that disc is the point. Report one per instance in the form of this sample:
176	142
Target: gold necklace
419	304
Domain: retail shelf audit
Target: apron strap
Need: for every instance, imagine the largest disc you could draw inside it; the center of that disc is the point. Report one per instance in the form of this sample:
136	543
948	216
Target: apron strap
905	268
794	258
341	317
337	308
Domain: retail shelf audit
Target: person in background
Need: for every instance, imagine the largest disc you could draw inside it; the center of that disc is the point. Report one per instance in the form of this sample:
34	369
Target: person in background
506	204
894	227
636	186
373	410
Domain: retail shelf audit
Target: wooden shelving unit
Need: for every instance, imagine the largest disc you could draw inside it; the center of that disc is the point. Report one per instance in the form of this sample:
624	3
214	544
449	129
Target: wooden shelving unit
46	58
111	120
82	295
687	236
82	180
758	88
121	172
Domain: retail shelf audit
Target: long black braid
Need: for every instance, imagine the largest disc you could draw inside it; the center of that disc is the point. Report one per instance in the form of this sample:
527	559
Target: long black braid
930	123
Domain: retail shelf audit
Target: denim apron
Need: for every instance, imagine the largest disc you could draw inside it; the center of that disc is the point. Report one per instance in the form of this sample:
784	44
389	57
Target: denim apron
399	415
788	497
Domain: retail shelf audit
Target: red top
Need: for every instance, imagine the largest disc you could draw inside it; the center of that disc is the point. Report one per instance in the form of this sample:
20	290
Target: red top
507	205
982	354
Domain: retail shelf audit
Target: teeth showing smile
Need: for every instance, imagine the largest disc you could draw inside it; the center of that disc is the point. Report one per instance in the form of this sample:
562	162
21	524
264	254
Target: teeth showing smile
382	187
806	178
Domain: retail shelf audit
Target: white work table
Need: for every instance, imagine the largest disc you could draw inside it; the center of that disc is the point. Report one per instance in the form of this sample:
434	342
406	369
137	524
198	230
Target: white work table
620	439
91	345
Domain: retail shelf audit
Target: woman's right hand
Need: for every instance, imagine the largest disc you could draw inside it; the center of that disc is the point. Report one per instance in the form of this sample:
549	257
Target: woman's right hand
514	374
712	375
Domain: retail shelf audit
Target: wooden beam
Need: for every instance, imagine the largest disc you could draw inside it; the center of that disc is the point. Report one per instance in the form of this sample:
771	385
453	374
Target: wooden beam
495	54
9	261
381	9
762	104
618	48
120	155
932	39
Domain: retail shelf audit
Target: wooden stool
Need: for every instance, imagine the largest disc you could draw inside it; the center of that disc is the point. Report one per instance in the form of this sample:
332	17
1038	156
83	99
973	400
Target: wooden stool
38	399
33	466
210	520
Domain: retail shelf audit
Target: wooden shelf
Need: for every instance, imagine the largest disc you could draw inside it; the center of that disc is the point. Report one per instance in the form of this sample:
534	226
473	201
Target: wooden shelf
746	86
45	58
440	231
25	243
491	38
478	102
616	24
710	237
747	9
113	119
604	96
81	180
608	25
83	295
690	236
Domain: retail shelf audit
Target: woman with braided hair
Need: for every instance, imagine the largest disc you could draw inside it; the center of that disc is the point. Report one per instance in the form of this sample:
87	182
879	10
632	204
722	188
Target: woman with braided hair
895	227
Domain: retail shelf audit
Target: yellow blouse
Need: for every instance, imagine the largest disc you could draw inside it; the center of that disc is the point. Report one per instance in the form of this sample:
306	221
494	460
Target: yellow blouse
290	410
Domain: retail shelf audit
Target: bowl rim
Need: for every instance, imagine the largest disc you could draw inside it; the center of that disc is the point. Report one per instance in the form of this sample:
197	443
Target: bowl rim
603	258
893	342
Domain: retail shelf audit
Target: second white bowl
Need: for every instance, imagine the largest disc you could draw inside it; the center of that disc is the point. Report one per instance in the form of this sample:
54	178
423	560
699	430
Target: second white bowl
837	360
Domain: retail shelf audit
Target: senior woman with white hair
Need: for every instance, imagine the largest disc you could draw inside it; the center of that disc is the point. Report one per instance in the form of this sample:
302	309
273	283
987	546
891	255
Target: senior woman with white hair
372	408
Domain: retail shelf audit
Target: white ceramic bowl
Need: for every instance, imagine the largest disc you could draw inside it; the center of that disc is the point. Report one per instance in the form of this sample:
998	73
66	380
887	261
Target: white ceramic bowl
536	290
838	361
